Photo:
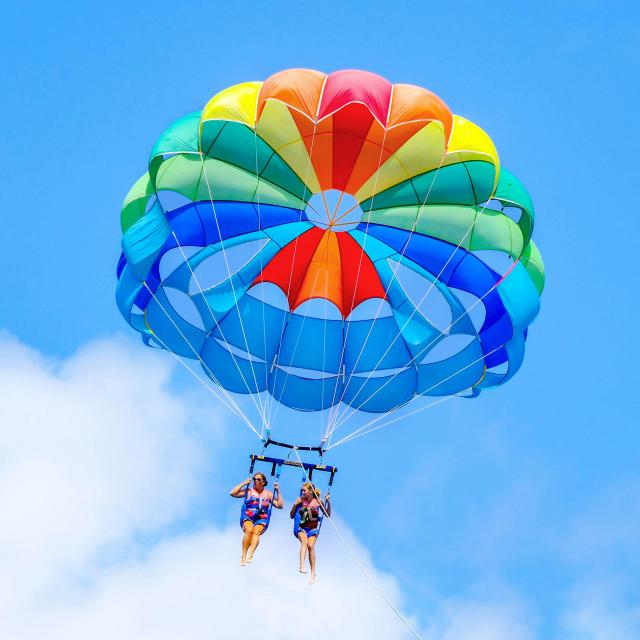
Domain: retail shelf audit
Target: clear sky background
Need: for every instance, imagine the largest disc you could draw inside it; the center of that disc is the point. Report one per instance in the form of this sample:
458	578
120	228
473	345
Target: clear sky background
515	515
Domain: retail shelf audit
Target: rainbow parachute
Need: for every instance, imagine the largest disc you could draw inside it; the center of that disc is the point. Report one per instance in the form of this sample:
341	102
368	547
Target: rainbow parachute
332	239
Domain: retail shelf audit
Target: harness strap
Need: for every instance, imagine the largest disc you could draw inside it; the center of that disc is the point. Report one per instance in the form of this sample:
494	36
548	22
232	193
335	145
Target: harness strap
275	471
246	491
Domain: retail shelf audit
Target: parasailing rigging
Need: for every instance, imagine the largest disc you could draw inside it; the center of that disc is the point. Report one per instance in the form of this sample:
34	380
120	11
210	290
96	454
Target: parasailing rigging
335	243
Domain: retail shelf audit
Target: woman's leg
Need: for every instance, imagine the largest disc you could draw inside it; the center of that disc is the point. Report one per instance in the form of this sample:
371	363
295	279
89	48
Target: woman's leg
258	530
302	536
247	527
311	543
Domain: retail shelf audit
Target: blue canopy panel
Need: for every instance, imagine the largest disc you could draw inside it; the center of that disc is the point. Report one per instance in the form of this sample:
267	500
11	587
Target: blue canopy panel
436	256
494	338
240	354
127	291
199	298
195	226
374	345
452	374
253	326
454	266
204	223
374	248
311	343
172	331
522	302
283	234
122	261
206	275
457	309
513	357
145	293
504	341
178	266
520	297
144	240
199	224
418	333
232	368
379	367
376	392
474	276
298	391
458	268
307	372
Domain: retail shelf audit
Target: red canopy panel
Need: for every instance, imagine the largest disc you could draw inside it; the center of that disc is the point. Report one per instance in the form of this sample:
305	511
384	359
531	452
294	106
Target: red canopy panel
324	264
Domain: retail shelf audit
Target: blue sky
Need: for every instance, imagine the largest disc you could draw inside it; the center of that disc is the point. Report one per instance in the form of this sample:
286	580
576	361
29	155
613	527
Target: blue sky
529	493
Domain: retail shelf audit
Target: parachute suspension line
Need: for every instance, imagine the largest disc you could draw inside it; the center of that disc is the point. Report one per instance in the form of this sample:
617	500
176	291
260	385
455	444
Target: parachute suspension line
441	381
258	407
233	407
337	405
334	405
361	566
336	221
313	209
335	209
347	413
343	224
225	398
261	409
356	435
446	329
337	414
293	353
264	328
384	415
276	360
324	348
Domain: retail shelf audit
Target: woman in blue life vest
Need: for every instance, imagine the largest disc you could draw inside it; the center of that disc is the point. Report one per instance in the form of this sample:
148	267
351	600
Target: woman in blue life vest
307	512
256	511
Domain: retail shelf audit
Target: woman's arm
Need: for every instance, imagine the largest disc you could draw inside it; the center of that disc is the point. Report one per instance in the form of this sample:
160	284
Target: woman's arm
239	490
294	507
326	507
278	502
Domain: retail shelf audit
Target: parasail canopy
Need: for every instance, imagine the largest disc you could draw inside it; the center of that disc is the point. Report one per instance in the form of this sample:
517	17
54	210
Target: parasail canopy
332	239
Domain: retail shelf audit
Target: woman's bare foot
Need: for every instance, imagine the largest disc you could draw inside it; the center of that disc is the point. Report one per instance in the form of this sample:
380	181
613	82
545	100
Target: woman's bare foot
312	579
243	562
249	560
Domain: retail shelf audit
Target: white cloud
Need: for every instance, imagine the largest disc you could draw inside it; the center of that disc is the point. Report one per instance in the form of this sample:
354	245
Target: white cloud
193	587
94	450
99	451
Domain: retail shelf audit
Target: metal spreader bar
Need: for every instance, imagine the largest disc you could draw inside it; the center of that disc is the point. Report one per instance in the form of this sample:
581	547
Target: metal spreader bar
309	467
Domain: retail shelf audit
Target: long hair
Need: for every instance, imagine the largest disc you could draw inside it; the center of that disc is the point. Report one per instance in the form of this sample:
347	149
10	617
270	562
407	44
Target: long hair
309	485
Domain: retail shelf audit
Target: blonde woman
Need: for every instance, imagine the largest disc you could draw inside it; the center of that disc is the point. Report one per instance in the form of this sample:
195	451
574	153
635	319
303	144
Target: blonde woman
306	512
256	511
